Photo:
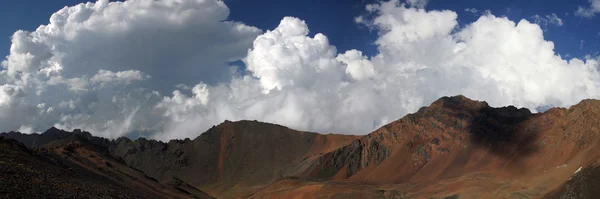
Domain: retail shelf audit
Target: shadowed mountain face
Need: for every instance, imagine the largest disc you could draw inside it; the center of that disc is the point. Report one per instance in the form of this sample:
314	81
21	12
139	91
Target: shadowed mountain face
36	140
45	174
74	167
455	148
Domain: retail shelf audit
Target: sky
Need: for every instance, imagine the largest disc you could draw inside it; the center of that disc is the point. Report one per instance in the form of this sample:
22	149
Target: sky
167	69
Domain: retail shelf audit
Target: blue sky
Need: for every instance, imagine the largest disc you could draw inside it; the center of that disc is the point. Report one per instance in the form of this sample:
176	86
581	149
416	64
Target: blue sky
335	18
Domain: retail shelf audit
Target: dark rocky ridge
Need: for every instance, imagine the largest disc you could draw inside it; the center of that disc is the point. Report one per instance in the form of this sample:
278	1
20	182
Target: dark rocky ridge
584	184
28	174
77	167
36	140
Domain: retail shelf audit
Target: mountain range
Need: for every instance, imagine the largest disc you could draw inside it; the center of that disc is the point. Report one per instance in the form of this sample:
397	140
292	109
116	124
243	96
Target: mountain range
454	148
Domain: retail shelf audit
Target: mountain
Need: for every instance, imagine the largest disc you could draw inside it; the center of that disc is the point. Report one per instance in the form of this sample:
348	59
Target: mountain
233	158
74	171
462	148
454	148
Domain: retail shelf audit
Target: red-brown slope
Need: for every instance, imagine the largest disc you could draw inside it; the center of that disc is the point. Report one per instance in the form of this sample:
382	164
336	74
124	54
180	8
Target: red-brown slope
456	137
231	157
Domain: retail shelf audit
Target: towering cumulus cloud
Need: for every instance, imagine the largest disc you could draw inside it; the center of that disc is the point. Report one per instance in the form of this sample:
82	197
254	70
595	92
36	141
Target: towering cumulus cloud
94	63
165	73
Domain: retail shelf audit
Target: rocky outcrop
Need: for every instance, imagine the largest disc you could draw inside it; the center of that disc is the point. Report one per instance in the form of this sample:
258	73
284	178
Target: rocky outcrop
583	184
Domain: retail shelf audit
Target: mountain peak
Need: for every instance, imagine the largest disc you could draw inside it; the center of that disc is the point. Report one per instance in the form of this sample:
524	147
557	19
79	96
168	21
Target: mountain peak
51	129
54	131
459	101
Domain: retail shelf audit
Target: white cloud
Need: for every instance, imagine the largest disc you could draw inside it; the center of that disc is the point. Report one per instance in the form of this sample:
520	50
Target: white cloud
26	129
75	84
172	41
183	87
286	57
358	66
104	77
589	11
92	53
10	94
422	56
548	19
110	128
294	77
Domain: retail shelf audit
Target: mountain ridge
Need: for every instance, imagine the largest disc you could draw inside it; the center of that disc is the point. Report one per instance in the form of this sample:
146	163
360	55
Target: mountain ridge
453	138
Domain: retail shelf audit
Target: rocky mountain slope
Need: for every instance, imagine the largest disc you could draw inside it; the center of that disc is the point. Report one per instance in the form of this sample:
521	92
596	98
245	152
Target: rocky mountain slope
455	148
460	147
74	171
232	158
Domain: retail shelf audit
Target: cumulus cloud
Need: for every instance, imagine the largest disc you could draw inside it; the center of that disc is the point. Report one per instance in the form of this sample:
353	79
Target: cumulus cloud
286	57
590	11
357	65
299	81
294	80
75	84
172	41
293	77
492	59
92	56
104	77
